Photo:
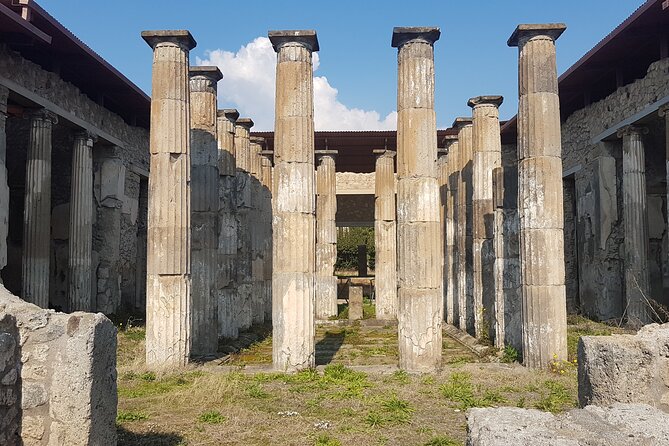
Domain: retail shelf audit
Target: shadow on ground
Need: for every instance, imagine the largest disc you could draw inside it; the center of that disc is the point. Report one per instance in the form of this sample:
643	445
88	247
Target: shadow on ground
127	438
327	348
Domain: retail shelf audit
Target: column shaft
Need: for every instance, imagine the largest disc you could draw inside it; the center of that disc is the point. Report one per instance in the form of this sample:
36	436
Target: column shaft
385	237
168	290
294	224
266	219
418	222
256	226
463	230
81	224
452	239
37	211
4	186
326	238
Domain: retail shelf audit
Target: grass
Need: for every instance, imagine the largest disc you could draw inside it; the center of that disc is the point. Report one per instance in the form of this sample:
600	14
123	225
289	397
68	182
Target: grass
580	326
555	397
459	389
130	415
442	441
212	417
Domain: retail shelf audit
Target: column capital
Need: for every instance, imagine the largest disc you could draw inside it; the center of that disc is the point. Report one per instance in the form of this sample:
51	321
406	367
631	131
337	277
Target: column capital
663	110
462	122
384	152
631	130
268	154
477	101
320	154
527	31
304	37
211	73
181	37
231	114
449	140
42	114
259	140
4	94
403	35
442	152
85	135
247	123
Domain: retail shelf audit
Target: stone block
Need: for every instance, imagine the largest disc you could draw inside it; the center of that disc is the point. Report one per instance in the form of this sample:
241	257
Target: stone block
625	368
416	143
418	200
355	302
293	182
540	203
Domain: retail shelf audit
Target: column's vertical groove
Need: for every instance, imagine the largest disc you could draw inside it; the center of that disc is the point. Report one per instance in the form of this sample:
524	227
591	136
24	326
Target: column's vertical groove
326	235
385	235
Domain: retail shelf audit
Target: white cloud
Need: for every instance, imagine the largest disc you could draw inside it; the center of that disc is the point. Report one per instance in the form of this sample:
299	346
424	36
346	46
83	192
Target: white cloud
249	81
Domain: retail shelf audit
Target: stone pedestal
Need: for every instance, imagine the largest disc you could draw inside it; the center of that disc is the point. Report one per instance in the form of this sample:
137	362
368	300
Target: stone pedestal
635	224
385	236
81	225
418	226
37	210
168	290
326	235
540	205
487	156
4	187
244	206
294	223
227	225
355	298
204	208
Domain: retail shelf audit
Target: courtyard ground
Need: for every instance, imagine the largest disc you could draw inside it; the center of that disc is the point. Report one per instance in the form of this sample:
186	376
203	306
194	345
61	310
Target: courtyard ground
356	395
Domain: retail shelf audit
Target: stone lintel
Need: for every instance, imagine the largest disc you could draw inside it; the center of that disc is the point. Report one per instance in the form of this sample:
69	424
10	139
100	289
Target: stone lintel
526	31
404	34
181	37
257	140
306	37
245	122
485	100
327	152
384	152
231	113
210	72
631	129
461	122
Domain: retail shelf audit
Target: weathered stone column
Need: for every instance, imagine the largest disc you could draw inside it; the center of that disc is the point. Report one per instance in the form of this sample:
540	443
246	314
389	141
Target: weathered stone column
664	112
419	235
244	205
4	187
37	210
452	234
228	325
487	145
257	289
168	289
463	227
326	235
81	224
445	165
294	223
635	221
204	208
385	236
540	196
266	219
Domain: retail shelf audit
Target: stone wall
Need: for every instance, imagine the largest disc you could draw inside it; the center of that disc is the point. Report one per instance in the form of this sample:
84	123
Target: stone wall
57	376
598	194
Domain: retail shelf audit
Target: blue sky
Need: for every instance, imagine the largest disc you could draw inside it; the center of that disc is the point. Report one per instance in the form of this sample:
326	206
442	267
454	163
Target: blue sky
356	65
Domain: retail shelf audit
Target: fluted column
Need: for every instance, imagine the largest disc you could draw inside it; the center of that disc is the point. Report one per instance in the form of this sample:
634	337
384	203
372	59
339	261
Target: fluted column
487	147
664	112
4	186
168	290
447	160
204	208
385	236
266	232
452	234
635	223
244	279
540	204
227	225
257	289
294	223
418	226
81	224
326	235
37	210
463	228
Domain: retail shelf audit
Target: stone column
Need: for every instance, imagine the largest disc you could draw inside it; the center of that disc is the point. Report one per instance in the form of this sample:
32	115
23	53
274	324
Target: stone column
487	145
168	289
266	218
452	234
463	228
244	205
445	166
4	187
540	206
664	112
294	223
419	235
37	210
204	208
326	235
257	294
81	224
227	225
385	236
635	221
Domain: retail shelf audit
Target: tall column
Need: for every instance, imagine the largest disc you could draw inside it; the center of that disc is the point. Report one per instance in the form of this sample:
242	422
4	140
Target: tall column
463	228
664	112
385	236
266	234
487	145
540	196
227	225
447	159
258	310
452	234
81	224
326	235
419	234
4	186
244	204
294	222
635	221
204	208
37	210
168	289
